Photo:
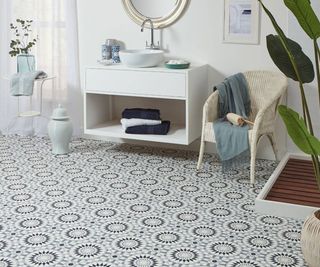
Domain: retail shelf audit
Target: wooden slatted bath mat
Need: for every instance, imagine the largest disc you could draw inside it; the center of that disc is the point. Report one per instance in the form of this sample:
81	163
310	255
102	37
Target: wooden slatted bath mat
296	185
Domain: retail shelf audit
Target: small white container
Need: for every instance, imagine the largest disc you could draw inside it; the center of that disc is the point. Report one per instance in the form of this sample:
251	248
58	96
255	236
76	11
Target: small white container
60	131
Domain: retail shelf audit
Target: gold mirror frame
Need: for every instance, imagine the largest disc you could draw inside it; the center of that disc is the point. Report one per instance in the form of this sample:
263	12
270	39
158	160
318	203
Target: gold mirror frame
158	23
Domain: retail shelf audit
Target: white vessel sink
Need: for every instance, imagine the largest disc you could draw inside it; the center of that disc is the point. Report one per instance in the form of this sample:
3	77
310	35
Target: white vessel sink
143	58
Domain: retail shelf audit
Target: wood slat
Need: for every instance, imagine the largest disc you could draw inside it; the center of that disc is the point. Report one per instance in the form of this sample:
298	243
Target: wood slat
297	172
301	164
297	181
285	184
300	161
305	170
293	191
296	184
297	202
295	197
297	176
301	172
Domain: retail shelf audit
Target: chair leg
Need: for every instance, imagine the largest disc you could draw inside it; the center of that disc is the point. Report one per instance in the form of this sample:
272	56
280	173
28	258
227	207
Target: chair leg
202	146
272	140
252	166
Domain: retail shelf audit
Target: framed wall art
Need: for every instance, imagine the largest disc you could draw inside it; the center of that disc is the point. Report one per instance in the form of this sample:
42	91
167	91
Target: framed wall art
241	21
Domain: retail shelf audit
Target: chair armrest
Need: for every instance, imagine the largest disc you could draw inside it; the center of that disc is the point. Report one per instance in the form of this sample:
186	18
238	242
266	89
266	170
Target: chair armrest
265	117
210	108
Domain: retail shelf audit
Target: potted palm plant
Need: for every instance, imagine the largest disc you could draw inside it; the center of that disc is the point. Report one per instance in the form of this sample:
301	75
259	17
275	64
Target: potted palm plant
21	45
291	60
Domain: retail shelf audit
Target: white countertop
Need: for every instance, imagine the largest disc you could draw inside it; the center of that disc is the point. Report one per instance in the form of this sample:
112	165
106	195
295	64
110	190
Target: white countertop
161	68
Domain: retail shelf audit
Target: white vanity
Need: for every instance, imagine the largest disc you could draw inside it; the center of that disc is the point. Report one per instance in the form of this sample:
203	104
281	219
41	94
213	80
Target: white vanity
178	94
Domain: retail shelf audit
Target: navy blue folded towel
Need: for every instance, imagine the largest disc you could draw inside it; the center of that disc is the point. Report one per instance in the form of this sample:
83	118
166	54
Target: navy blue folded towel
141	113
161	129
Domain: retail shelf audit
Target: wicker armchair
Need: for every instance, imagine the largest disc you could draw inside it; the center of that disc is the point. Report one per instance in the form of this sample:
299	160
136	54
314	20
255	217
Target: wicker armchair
266	90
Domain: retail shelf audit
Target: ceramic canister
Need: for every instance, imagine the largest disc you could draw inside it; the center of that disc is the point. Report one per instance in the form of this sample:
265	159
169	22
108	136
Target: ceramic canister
104	52
60	131
109	44
115	53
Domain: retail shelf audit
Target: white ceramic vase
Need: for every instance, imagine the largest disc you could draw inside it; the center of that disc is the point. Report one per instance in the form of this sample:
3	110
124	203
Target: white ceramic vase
310	239
60	131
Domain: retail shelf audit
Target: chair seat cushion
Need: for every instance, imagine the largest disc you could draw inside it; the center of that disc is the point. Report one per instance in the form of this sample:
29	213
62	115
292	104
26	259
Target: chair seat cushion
209	133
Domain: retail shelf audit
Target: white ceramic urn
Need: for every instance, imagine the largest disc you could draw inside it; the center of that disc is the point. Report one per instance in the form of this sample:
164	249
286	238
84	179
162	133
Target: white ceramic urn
60	131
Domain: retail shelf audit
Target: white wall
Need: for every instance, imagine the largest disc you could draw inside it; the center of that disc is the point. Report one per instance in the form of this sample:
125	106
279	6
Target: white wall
197	36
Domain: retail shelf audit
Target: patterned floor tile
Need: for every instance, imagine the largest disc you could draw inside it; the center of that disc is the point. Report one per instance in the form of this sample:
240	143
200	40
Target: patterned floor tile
121	205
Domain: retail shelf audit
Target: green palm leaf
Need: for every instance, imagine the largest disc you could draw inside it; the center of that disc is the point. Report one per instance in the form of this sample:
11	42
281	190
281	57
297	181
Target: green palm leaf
298	131
281	58
285	44
275	24
306	17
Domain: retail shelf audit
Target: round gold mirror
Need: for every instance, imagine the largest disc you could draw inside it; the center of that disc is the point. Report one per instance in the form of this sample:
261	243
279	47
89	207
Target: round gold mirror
162	12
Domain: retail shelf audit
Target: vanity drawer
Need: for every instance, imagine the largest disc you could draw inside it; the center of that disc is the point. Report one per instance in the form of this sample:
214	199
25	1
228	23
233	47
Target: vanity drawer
130	82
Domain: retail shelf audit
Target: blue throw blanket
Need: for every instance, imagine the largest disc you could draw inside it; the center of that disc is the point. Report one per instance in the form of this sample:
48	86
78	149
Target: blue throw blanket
22	83
232	141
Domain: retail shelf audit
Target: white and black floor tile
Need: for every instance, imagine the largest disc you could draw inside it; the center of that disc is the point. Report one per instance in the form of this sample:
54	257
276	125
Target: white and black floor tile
120	205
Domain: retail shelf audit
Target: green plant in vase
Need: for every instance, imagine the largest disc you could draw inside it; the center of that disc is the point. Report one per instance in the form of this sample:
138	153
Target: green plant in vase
21	45
291	60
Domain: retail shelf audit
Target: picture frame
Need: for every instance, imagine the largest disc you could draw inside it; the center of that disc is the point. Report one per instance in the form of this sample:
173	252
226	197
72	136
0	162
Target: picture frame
241	21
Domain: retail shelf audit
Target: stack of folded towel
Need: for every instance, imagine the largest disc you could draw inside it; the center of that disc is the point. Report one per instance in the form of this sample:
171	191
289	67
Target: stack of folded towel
144	121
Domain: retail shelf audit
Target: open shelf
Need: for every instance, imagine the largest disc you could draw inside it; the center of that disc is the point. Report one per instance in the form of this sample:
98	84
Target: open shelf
103	114
176	135
30	113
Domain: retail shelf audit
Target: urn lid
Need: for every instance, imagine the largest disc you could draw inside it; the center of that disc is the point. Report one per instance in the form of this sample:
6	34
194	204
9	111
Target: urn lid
60	113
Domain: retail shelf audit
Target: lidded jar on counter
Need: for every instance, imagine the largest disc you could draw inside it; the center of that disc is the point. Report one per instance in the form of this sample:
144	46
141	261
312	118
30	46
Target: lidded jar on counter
106	49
